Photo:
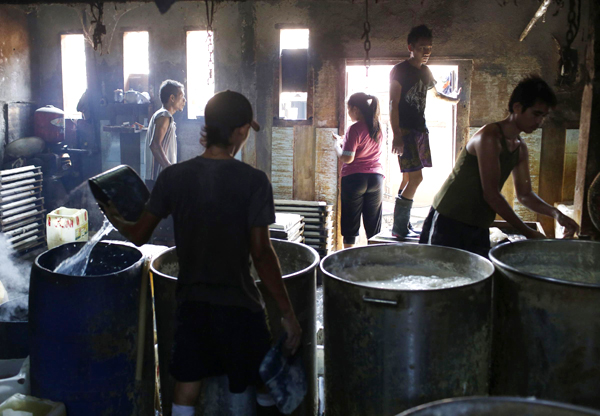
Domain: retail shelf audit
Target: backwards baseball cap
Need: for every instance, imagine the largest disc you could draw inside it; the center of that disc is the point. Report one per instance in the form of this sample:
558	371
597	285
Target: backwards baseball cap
229	109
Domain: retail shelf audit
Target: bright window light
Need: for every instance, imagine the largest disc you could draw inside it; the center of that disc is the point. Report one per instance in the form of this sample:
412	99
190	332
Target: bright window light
293	39
74	76
200	71
136	62
292	105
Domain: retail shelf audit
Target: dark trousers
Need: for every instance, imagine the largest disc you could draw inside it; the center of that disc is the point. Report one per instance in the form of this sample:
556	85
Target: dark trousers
439	230
361	195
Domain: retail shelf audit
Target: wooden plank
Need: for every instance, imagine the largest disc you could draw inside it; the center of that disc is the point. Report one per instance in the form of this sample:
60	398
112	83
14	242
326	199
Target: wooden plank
551	167
326	177
282	162
588	156
304	163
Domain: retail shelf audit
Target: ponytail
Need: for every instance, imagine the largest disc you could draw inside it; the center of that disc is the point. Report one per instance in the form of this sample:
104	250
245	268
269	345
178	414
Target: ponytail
370	112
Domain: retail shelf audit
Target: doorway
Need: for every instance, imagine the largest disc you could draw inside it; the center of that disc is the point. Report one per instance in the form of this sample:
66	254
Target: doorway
442	125
441	122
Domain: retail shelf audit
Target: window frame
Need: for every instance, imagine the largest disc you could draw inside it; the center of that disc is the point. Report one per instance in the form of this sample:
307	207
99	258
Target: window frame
87	80
187	29
278	122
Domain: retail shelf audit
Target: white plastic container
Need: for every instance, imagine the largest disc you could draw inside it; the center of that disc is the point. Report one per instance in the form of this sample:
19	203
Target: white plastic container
66	225
27	404
14	377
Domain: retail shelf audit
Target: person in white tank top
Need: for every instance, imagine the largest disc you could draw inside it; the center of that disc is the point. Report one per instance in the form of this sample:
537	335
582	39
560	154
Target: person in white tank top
162	128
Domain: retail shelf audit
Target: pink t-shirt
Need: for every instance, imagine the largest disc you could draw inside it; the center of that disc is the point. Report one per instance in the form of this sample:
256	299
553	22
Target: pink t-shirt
365	150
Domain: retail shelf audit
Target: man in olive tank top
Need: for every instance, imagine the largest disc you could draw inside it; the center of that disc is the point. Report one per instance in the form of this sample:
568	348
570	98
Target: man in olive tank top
466	205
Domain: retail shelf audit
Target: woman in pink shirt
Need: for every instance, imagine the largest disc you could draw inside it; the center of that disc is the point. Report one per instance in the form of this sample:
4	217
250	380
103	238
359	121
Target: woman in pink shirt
362	173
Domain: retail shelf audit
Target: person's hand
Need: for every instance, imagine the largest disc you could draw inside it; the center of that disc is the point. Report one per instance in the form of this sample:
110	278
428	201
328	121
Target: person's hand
112	213
336	137
398	145
294	332
571	227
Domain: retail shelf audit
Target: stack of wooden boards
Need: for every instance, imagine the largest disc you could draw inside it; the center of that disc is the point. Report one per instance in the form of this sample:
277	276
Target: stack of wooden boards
22	207
288	227
318	222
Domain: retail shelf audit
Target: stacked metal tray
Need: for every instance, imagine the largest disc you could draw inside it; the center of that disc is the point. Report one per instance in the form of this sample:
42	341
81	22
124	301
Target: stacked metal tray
318	222
288	227
22	207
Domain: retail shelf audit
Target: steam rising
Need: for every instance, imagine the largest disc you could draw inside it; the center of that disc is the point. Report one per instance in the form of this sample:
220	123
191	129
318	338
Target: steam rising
14	275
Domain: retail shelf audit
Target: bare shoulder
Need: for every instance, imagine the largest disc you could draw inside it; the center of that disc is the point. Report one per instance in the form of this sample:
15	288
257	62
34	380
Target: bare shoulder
486	137
162	121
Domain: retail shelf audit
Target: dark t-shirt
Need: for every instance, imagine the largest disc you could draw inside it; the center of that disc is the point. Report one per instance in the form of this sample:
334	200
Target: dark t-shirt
214	204
415	82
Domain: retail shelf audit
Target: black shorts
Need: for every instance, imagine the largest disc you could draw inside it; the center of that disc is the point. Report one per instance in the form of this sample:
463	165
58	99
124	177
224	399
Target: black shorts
440	230
213	340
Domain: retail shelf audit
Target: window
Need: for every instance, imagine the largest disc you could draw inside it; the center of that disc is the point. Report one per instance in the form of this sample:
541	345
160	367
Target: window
136	62
74	76
293	93
200	71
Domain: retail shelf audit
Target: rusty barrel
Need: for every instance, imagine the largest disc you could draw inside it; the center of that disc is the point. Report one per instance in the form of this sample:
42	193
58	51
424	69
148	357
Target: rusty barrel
83	330
547	324
299	267
498	406
388	349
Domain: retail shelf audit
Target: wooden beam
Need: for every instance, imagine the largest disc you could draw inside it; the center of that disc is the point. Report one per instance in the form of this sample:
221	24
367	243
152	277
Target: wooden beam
538	15
552	158
588	155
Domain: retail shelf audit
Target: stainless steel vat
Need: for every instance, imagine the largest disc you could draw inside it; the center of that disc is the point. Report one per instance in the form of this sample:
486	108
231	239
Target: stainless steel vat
547	325
299	267
388	350
498	406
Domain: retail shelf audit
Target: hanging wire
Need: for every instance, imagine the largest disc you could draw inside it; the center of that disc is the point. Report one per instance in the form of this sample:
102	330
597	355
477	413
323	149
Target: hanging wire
210	13
365	36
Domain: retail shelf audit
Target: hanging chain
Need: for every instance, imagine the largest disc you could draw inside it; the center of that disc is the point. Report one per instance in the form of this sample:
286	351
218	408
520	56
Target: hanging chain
365	36
210	13
574	18
99	28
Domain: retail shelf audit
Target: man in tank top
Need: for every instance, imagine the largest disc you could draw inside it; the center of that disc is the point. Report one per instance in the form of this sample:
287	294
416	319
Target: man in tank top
161	134
466	205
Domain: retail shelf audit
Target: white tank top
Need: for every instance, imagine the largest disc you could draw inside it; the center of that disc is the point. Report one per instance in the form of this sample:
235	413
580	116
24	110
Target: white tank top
169	143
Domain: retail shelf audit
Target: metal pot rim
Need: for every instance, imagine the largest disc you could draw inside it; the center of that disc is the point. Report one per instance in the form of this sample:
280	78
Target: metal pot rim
328	274
287	276
120	243
501	399
501	265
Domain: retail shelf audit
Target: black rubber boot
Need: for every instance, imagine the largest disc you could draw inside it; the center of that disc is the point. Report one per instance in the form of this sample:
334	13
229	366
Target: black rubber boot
401	217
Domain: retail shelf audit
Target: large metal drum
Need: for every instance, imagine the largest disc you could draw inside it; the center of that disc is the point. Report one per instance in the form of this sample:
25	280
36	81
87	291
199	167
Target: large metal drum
387	350
498	406
83	330
14	332
547	328
299	267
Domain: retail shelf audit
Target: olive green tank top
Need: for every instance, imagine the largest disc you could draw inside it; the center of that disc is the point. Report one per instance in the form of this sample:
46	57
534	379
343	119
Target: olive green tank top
461	196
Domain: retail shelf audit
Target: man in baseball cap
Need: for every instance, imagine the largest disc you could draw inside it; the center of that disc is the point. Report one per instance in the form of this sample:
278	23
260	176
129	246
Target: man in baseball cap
221	210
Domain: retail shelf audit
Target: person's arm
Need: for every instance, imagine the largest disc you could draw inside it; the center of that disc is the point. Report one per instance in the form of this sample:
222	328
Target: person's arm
160	130
531	200
395	96
345	157
138	232
488	150
267	265
447	98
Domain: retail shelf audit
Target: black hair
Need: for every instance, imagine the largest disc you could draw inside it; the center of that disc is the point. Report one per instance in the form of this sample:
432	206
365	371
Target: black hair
370	112
218	135
168	88
531	90
419	32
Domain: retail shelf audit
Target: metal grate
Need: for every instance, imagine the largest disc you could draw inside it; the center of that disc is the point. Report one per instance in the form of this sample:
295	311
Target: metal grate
22	207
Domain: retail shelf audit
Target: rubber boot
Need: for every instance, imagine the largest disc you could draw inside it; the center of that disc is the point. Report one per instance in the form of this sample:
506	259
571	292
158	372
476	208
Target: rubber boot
401	217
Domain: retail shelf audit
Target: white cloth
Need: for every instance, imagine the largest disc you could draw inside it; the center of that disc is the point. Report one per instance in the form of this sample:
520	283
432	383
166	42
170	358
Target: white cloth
179	410
169	143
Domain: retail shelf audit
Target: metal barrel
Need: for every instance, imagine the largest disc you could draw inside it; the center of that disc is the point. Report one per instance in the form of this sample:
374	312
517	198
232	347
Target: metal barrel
123	186
83	330
14	331
547	321
498	406
387	350
299	266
